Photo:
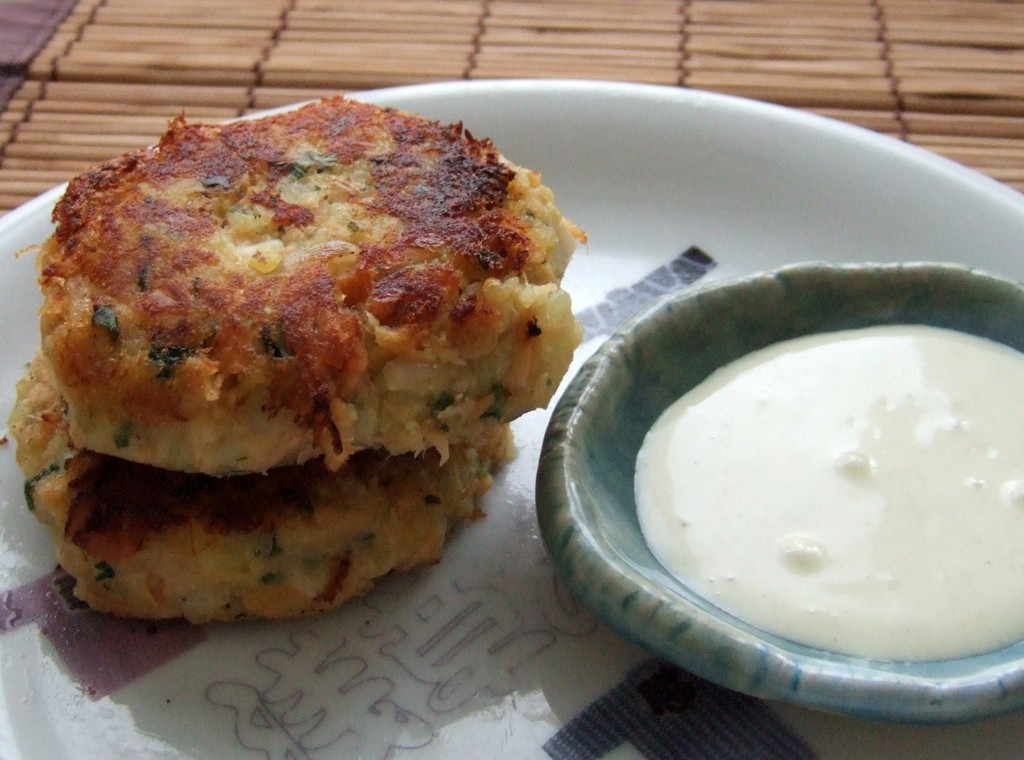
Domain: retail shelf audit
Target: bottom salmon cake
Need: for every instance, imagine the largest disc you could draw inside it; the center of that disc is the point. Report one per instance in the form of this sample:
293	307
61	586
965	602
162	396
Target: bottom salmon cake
146	542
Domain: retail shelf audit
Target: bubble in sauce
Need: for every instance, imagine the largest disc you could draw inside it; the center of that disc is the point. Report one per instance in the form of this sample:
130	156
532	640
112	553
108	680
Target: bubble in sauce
802	554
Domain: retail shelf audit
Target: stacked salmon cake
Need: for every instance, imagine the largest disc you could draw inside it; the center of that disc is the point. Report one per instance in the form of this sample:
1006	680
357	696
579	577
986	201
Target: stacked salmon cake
279	357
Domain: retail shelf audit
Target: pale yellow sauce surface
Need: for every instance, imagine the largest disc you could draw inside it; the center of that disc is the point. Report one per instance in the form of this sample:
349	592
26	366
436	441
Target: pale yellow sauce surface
860	491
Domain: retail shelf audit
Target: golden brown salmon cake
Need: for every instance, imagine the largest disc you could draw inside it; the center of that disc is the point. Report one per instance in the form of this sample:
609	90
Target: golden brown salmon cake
152	543
332	278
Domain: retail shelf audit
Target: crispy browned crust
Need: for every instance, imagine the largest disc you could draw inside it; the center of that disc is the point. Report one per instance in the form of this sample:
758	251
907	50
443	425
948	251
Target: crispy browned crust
148	542
140	307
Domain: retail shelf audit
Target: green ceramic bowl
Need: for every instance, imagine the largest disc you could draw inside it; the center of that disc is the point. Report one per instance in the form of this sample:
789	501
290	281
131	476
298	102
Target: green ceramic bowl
587	512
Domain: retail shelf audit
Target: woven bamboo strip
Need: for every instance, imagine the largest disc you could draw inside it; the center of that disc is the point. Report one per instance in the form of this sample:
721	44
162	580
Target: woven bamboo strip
449	35
133	62
13	200
38	178
156	74
800	93
853	17
964	124
569	41
79	155
381	16
205	15
68	165
301	70
296	71
591	24
595	6
123	62
84	123
369	53
185	22
927	14
753	45
284	77
231	14
958	10
585	40
28	187
994	37
139	13
581	10
250	8
877	121
115	111
265	98
383	30
954	103
116	38
577	70
1007	169
939	36
954	58
540	65
66	141
572	18
513	54
874	69
649	18
976	85
823	84
387	7
814	34
632	65
133	95
977	149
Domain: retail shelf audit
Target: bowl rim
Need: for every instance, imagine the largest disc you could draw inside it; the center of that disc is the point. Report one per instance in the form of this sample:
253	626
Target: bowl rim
713	644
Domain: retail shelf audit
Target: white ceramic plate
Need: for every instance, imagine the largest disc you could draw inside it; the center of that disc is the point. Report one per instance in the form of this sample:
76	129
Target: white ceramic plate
484	655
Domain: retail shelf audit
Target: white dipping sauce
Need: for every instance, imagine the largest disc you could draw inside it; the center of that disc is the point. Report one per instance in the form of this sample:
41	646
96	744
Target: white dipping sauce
859	491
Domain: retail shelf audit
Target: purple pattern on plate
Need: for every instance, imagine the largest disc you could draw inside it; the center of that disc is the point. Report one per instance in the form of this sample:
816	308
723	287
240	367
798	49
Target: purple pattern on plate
25	28
8	84
621	303
103	653
668	714
352	714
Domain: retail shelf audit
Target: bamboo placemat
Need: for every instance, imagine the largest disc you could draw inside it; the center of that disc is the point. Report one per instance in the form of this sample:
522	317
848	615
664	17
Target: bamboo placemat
83	81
